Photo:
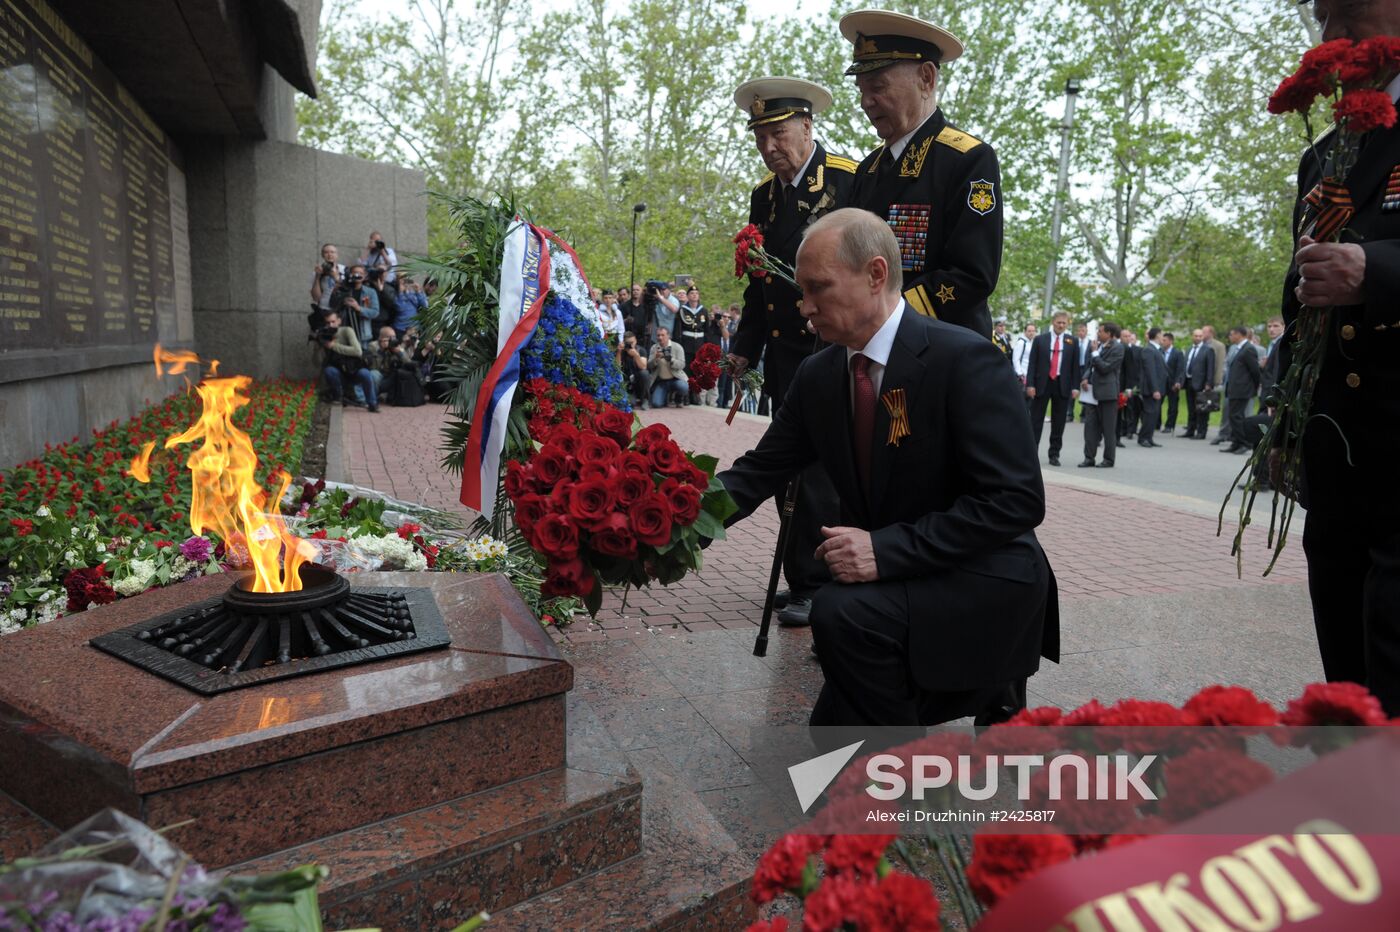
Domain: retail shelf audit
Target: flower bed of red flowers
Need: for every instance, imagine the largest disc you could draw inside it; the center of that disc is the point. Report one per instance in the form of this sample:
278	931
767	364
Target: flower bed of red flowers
845	881
605	503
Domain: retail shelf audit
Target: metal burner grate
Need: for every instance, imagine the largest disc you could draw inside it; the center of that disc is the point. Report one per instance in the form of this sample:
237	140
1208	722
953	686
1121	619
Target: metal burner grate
246	638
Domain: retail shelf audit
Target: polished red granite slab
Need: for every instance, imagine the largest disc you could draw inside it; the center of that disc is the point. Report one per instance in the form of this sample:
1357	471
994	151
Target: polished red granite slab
80	729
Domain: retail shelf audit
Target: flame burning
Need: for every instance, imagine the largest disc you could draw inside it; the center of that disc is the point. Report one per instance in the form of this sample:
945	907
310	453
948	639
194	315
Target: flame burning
140	467
227	497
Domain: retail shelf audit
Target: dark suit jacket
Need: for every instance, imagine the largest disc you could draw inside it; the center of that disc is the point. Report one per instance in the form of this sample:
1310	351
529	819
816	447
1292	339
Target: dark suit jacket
1038	365
1268	376
1152	371
1132	367
1176	367
1201	371
1243	374
954	507
1105	372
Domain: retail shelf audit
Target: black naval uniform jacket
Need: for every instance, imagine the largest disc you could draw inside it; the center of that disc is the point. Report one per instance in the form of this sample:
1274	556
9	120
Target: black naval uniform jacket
942	198
952	508
1359	385
772	317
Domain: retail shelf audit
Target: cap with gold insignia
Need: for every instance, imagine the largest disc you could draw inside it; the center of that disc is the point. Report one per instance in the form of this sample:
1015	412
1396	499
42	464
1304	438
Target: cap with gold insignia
772	100
882	38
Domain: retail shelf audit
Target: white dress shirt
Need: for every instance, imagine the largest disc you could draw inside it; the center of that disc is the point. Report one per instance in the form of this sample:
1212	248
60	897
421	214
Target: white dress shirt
797	178
877	350
897	147
1021	355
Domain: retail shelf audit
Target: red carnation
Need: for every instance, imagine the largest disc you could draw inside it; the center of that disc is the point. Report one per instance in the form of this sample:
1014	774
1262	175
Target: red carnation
1203	779
1230	705
567	578
614	423
839	900
1322	62
1000	862
899	903
408	529
556	536
684	499
1142	828
1363	110
1090	713
614	537
1294	95
590	502
746	241
858	854
596	450
651	519
781	867
1334	704
668	458
88	586
776	924
1134	725
550	466
1044	716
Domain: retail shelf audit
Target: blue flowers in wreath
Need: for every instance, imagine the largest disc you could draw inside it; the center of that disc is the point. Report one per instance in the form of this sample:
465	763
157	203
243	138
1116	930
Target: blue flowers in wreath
567	349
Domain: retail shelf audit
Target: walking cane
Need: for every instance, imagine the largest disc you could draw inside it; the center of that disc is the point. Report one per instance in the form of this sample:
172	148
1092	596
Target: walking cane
760	646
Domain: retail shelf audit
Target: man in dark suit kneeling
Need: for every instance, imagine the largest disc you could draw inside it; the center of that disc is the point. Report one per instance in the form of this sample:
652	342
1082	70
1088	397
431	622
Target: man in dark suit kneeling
942	601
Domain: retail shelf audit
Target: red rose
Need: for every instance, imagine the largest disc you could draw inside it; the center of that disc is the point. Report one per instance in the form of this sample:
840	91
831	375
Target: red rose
615	423
1204	779
1000	862
557	537
697	477
668	459
651	434
631	486
1230	705
899	903
597	471
651	519
614	537
685	501
1361	111
529	511
858	854
1334	704
551	466
517	480
596	450
781	867
634	462
567	578
590	502
565	436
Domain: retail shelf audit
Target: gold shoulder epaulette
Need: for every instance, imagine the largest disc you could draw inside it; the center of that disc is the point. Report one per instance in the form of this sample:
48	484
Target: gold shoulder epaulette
957	139
766	178
840	163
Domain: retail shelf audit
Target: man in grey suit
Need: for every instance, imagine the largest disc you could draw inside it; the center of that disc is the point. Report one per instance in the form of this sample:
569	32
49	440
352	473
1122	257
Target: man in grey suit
1152	385
1242	377
1200	382
1102	376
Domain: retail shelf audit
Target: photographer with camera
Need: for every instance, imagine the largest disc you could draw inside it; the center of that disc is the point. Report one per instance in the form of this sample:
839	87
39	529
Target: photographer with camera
344	361
409	302
660	310
378	255
357	303
324	278
666	363
634	371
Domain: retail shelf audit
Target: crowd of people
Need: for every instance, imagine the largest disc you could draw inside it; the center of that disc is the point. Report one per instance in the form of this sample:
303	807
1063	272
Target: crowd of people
1128	389
364	324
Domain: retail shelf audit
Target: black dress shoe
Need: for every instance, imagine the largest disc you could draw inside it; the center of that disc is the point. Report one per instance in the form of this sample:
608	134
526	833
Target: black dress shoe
780	598
1105	465
1235	448
1122	445
1054	461
1148	443
1086	464
1215	442
797	614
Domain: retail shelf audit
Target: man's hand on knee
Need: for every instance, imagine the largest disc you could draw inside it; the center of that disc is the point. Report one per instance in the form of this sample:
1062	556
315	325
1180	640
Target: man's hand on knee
849	554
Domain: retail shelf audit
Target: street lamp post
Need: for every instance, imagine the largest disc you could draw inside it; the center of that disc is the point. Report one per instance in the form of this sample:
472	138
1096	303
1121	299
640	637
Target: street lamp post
637	211
1066	128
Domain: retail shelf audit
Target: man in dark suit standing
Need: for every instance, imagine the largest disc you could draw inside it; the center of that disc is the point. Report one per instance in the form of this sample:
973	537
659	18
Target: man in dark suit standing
1200	383
1176	378
942	601
1052	378
1351	446
1101	378
804	182
1152	385
1242	377
1128	384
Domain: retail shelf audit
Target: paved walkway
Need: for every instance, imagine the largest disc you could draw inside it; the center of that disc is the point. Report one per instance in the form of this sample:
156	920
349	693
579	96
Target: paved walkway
1151	603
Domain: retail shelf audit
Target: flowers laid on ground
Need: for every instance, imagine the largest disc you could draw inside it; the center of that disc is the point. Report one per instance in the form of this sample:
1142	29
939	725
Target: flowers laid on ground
1351	76
604	505
1204	763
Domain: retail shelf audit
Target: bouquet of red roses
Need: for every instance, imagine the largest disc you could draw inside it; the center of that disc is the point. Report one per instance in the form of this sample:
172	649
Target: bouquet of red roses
1350	75
606	506
704	368
750	258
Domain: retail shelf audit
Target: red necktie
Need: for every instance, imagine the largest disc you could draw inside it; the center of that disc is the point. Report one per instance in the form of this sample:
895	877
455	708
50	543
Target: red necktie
863	416
1055	359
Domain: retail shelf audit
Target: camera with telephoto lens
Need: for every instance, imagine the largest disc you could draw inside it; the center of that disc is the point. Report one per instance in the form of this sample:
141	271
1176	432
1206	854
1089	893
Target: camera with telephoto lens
379	245
327	268
325	333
